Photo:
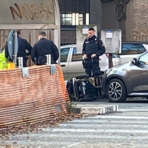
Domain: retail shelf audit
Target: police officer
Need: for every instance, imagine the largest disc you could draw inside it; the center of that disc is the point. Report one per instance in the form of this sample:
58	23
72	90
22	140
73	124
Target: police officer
42	48
23	46
93	47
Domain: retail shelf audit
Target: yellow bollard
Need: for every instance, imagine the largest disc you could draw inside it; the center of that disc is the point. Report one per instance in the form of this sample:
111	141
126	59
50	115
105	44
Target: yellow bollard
11	65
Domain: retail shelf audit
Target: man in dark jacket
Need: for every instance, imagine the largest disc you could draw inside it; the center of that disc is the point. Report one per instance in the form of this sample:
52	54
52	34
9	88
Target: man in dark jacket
93	47
42	48
24	46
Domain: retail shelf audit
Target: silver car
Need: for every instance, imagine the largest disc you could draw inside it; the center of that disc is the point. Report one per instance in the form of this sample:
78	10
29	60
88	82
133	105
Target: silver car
71	61
132	50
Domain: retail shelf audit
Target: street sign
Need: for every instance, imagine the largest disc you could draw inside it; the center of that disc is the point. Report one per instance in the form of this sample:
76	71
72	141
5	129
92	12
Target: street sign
85	30
13	45
109	34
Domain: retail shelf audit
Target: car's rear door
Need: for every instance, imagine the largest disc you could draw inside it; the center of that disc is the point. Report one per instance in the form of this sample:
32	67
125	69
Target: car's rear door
64	58
75	67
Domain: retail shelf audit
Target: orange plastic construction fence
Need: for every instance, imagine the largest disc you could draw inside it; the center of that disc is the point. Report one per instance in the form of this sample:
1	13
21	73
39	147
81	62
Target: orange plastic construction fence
41	96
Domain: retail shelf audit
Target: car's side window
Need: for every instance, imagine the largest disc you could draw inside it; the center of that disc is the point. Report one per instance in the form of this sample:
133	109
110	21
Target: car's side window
128	49
64	54
144	59
76	57
141	49
74	50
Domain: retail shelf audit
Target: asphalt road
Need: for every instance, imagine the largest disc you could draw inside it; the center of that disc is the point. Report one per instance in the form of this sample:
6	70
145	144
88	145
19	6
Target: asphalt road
128	128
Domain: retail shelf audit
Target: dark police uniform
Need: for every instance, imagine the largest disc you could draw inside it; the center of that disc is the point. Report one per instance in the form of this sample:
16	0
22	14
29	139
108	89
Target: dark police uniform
92	46
41	49
23	45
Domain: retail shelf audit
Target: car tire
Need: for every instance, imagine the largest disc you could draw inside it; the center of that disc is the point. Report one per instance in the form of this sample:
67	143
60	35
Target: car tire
116	91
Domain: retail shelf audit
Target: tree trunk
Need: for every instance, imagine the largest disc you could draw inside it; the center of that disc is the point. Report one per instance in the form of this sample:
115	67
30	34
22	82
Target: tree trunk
110	60
122	27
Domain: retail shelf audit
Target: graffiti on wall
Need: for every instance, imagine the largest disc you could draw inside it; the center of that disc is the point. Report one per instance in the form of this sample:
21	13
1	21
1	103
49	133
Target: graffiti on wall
31	12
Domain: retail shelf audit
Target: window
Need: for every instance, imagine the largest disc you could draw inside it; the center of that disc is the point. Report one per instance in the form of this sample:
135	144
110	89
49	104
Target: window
128	49
80	19
65	51
144	59
74	50
64	54
74	12
115	56
66	19
73	19
141	49
76	57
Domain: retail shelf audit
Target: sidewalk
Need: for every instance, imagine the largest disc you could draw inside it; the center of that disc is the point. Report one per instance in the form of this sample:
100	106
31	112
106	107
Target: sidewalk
95	108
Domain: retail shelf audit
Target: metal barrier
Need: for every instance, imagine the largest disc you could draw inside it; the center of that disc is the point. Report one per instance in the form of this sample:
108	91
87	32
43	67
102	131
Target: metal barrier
20	62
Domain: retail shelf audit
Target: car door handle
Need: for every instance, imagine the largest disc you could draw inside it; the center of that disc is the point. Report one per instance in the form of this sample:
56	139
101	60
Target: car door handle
63	65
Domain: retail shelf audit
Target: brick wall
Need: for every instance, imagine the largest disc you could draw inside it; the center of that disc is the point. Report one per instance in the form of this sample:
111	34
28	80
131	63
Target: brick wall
140	23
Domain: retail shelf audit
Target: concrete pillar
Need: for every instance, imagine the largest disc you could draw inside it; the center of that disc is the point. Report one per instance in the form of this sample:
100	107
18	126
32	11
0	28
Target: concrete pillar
95	13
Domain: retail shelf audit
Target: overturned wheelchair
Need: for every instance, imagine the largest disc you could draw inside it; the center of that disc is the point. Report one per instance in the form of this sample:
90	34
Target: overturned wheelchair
84	88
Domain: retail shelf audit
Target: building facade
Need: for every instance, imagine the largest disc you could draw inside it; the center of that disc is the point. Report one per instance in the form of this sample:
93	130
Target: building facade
140	17
104	14
77	12
136	24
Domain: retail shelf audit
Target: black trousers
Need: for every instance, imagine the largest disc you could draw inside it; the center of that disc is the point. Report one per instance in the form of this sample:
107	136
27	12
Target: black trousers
92	67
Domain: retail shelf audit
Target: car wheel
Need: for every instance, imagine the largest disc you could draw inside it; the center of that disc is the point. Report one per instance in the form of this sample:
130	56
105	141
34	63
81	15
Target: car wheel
116	91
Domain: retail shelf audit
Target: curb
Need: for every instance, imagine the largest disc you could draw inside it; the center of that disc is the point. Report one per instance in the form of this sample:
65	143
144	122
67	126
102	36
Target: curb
102	110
